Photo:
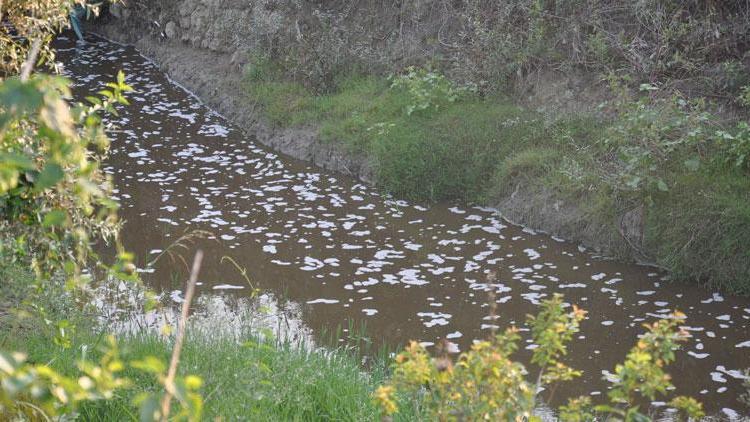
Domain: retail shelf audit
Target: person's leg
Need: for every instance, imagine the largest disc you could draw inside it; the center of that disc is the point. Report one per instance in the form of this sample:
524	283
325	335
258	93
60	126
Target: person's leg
75	21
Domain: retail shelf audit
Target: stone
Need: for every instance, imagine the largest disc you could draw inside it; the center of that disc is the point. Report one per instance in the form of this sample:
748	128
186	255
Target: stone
170	30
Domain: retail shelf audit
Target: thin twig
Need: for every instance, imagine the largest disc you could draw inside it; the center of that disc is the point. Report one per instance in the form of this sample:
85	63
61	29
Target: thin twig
169	381
28	65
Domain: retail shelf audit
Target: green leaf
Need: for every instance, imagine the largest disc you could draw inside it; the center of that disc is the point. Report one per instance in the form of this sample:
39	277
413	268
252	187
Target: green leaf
633	182
54	218
662	186
15	161
49	176
18	98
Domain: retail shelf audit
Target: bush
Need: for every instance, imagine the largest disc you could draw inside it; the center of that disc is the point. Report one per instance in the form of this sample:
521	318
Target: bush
427	89
53	196
486	384
735	146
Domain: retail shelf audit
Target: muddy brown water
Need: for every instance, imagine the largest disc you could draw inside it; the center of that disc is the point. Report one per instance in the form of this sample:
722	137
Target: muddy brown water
343	253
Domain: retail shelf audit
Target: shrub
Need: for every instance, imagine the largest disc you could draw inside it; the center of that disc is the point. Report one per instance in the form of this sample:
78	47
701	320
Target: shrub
428	89
486	384
54	200
650	135
735	145
53	196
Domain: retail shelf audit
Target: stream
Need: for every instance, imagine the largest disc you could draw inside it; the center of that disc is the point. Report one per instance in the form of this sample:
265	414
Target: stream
335	252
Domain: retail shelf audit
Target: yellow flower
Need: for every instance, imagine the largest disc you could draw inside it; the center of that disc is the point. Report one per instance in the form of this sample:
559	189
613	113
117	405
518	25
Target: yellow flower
383	396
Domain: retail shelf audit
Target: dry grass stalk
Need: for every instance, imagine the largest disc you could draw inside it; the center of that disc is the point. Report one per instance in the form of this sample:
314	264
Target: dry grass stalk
169	381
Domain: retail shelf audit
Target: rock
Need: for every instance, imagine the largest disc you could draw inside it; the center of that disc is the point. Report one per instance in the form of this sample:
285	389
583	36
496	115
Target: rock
171	29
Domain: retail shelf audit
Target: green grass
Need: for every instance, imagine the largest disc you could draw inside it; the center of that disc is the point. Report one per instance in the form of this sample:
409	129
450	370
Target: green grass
431	154
243	379
479	149
255	380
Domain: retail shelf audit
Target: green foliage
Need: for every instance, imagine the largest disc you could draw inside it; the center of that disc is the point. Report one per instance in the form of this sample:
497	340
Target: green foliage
735	145
54	201
485	384
701	229
676	160
642	374
282	101
185	390
446	148
649	135
38	391
26	21
643	370
552	329
53	196
427	89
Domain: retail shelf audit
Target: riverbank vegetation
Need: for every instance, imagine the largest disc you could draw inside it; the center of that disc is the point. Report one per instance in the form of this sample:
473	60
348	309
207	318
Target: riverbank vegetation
657	164
242	376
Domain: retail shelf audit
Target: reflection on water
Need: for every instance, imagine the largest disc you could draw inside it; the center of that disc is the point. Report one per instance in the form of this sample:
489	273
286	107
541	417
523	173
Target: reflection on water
343	252
121	307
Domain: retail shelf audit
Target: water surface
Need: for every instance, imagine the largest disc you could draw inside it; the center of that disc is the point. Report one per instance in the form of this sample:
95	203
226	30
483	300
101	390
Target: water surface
339	252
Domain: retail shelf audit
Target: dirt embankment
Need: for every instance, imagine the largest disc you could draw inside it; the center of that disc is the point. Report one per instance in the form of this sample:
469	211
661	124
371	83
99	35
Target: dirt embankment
204	45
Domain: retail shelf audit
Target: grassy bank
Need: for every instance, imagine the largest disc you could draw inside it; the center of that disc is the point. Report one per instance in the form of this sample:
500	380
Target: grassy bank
659	177
242	377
